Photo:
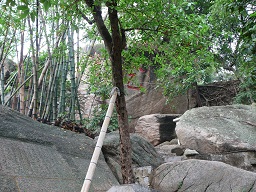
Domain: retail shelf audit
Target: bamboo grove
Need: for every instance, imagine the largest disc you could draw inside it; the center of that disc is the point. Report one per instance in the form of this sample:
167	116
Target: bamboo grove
49	64
189	41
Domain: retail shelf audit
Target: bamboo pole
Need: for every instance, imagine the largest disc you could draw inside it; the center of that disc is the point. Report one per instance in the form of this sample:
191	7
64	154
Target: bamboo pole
97	150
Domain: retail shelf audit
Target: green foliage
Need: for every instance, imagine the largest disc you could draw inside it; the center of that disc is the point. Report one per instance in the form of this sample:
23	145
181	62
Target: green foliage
171	39
185	41
234	28
99	81
94	124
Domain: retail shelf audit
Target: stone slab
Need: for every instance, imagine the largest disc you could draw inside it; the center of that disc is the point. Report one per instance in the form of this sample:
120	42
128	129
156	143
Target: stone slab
38	157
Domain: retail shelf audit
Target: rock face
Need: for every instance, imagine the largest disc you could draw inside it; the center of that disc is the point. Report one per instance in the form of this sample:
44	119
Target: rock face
153	101
143	153
130	188
38	157
157	128
222	133
200	176
9	66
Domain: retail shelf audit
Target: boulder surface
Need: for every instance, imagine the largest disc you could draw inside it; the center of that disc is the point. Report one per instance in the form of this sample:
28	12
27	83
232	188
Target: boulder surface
39	157
130	188
200	176
224	133
157	128
153	101
143	153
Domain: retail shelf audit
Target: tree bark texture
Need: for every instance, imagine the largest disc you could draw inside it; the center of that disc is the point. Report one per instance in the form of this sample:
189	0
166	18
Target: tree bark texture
113	42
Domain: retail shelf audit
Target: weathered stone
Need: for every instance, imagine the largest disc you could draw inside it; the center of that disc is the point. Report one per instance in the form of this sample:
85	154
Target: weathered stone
224	132
143	153
170	153
153	101
8	183
9	67
130	188
172	142
200	176
143	175
39	157
156	128
190	152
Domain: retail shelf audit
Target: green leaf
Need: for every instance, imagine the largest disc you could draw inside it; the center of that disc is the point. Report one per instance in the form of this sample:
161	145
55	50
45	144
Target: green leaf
24	1
47	5
24	14
33	16
253	14
22	7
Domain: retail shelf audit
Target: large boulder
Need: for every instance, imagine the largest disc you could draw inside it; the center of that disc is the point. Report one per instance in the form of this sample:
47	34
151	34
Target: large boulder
9	67
39	157
153	101
143	153
200	176
130	188
157	128
224	133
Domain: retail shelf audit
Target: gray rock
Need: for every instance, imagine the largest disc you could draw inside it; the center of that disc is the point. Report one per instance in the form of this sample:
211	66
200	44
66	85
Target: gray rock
170	150
226	131
200	176
153	101
190	152
178	150
143	153
172	142
157	128
143	175
130	188
39	157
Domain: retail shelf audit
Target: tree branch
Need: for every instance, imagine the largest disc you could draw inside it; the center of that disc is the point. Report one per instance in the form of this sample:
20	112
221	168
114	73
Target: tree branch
84	16
96	11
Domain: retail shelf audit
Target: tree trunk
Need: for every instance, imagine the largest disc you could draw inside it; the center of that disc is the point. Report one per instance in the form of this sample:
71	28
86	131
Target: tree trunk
117	73
113	43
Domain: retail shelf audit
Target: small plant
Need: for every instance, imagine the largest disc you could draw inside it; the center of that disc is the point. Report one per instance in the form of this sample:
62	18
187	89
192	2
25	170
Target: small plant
180	185
94	124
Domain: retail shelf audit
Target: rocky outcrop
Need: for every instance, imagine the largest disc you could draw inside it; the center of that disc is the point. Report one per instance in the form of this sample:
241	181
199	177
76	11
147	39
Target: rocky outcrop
9	67
153	101
200	176
222	133
143	153
39	157
130	188
157	128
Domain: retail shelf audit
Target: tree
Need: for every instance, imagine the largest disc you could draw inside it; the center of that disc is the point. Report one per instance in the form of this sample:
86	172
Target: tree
234	34
115	41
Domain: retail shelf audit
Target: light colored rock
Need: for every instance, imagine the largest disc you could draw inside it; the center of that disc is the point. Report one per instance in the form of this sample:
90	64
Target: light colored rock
156	128
143	153
170	153
130	188
143	175
224	132
190	152
200	176
172	142
153	101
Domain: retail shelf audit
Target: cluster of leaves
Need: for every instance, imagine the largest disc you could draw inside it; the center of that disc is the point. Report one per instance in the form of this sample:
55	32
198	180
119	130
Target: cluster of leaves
235	37
94	124
176	43
99	82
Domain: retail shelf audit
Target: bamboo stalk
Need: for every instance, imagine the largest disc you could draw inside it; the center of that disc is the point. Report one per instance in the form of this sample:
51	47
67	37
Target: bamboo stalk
97	150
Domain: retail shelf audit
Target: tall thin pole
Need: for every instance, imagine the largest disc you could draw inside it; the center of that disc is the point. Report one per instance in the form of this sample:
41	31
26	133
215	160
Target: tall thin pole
88	179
